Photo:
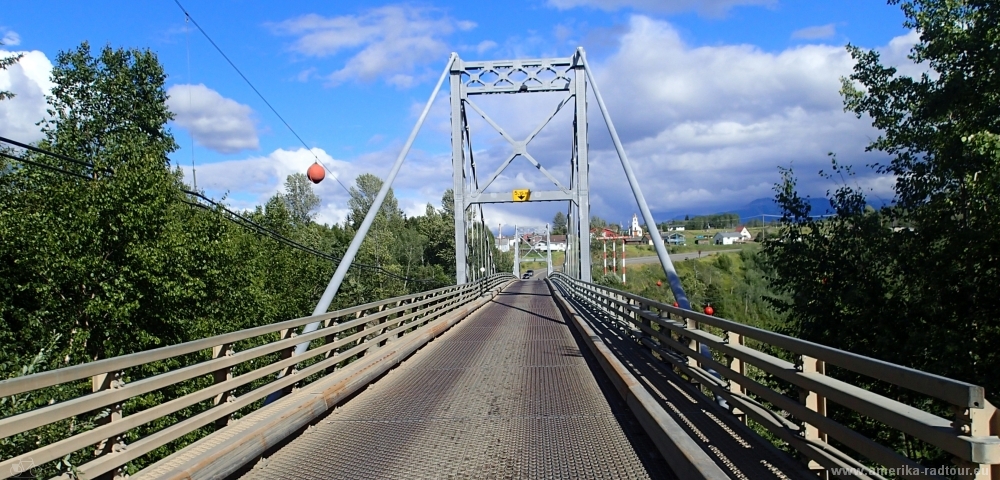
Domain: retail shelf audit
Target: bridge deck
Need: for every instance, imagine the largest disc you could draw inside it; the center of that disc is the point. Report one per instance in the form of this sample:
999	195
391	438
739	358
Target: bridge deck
507	393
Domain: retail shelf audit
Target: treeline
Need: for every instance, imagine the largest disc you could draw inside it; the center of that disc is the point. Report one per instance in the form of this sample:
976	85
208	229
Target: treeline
103	253
704	222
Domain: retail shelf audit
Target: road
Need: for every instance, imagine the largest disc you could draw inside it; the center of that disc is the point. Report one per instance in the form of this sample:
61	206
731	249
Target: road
677	257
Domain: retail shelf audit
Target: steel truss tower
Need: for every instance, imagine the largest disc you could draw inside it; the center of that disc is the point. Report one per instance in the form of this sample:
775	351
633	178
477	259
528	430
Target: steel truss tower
573	76
469	79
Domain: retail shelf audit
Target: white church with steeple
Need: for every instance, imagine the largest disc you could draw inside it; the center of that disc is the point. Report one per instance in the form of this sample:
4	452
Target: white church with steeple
636	230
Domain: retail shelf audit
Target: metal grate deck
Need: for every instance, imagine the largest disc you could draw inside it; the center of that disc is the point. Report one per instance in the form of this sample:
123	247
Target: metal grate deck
507	393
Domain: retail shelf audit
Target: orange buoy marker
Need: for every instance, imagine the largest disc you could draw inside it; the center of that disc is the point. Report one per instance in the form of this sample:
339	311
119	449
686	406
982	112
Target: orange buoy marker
677	304
316	173
709	310
659	283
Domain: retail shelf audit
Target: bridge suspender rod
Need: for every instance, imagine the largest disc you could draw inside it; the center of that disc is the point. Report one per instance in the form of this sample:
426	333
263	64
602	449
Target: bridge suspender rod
654	231
352	250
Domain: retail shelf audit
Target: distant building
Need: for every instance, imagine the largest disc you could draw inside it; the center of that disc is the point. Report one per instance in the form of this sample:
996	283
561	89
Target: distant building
605	233
744	232
676	239
677	228
557	243
635	231
727	238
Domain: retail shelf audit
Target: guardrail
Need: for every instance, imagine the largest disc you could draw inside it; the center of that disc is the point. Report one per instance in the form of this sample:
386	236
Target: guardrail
677	337
218	377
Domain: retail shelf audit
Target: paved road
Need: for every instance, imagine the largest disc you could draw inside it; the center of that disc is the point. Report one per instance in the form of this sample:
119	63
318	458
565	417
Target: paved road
677	257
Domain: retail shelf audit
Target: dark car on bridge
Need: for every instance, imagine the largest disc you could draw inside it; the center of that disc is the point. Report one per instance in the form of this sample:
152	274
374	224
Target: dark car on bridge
528	274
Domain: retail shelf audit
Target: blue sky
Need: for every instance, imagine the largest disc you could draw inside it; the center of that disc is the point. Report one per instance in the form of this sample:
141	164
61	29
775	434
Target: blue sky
710	96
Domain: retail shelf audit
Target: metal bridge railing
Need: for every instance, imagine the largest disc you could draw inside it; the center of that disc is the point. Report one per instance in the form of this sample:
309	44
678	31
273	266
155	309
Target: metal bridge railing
677	337
217	376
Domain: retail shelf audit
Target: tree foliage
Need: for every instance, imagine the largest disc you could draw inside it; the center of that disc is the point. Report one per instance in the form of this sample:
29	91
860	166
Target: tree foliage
5	63
922	294
114	258
559	224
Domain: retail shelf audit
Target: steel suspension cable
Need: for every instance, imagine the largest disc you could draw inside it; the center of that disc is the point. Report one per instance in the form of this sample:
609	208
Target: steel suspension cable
231	215
252	87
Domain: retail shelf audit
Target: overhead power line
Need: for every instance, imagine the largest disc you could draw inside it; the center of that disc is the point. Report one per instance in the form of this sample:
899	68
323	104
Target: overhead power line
252	87
231	215
45	166
49	153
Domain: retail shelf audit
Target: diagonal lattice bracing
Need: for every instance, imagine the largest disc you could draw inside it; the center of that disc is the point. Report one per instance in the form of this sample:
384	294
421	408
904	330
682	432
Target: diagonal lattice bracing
520	147
517	76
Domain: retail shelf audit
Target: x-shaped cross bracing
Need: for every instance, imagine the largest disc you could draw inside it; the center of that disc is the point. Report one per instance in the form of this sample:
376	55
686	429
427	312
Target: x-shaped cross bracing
520	147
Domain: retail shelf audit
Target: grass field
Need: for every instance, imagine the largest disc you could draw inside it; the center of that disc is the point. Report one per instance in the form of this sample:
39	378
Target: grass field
537	261
690	246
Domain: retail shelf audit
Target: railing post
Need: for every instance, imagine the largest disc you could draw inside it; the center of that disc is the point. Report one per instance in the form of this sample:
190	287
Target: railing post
222	375
286	354
736	365
379	320
109	381
816	403
692	359
327	340
978	422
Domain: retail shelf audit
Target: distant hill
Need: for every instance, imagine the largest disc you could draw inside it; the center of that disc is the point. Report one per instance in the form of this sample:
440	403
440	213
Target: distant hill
767	206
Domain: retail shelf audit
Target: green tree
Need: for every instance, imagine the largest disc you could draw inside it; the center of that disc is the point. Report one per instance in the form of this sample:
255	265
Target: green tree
597	222
923	298
300	199
363	195
106	261
4	64
113	258
559	224
941	131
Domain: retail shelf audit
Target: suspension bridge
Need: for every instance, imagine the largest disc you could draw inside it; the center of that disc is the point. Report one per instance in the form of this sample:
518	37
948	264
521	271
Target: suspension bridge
499	377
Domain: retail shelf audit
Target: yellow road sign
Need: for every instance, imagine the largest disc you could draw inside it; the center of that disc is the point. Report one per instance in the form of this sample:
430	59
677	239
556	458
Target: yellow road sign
522	195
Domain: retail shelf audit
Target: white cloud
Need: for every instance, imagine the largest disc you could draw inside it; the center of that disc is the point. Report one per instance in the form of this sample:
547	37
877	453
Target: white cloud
216	122
898	50
485	46
29	80
252	181
816	32
704	7
706	127
10	38
391	42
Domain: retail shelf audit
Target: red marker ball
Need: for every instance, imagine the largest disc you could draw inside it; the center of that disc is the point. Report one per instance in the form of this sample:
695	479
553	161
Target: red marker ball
709	310
316	173
677	304
659	283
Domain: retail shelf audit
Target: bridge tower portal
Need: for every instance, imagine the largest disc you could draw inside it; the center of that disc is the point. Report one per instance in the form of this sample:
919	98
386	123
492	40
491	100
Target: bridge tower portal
468	80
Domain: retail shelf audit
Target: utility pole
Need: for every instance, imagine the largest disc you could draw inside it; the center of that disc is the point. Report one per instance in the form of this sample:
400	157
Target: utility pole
548	249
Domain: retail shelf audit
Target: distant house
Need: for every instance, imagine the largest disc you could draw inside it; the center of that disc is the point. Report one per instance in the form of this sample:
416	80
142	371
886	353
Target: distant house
676	239
605	233
727	238
557	243
744	232
645	239
677	228
505	244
